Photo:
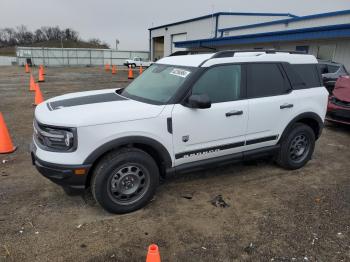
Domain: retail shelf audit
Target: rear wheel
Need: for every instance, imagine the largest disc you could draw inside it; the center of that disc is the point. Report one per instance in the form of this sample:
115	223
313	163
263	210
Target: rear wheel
297	147
125	180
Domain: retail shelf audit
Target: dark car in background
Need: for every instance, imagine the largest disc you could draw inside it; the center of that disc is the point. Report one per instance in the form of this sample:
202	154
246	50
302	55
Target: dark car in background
331	71
338	109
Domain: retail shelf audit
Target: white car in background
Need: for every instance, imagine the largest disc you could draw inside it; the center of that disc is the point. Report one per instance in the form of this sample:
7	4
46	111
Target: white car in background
136	62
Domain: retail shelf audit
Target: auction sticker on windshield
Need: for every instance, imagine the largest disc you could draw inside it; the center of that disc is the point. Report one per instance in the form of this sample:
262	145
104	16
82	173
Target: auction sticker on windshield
180	72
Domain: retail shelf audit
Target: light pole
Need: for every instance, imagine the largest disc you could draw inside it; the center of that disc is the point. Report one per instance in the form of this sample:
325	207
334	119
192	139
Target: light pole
116	44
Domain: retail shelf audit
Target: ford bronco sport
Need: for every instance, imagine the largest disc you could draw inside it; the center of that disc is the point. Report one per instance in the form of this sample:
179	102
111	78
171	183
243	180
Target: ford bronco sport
183	113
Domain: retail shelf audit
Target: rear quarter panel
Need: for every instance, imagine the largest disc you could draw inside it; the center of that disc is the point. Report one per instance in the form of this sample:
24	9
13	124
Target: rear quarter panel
312	100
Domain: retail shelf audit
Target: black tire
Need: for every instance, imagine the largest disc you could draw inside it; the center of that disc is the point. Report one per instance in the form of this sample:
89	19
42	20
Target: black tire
125	180
297	147
133	65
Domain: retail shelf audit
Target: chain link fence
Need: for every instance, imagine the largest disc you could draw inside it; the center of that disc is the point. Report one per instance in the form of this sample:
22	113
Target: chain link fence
7	60
75	56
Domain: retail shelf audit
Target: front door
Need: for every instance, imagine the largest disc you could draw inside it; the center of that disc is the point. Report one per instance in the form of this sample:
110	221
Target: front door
200	134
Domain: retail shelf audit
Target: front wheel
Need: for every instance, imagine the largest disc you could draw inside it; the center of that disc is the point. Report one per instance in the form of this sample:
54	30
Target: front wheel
125	180
297	147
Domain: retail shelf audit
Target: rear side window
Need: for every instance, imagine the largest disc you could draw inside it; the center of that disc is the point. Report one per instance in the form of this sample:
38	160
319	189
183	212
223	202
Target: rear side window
309	75
266	80
220	83
332	68
323	68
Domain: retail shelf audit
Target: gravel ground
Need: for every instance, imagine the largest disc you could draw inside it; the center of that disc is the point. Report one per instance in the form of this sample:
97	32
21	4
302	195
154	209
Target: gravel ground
271	214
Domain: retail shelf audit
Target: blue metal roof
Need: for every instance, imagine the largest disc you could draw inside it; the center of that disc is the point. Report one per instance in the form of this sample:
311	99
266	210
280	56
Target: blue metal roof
322	32
223	13
288	20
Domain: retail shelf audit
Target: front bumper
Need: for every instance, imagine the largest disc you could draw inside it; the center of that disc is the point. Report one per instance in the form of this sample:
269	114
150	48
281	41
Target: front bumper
338	114
69	176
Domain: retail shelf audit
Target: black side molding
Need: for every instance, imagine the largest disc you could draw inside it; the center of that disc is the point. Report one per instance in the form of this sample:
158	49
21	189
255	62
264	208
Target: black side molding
223	160
225	147
208	150
261	139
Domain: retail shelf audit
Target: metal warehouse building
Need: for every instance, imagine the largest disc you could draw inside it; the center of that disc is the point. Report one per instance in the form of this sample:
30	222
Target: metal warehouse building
326	35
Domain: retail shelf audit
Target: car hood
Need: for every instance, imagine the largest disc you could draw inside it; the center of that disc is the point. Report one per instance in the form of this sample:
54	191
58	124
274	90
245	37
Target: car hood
93	108
342	89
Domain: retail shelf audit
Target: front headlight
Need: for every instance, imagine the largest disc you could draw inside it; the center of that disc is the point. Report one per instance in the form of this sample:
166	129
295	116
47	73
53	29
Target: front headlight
55	138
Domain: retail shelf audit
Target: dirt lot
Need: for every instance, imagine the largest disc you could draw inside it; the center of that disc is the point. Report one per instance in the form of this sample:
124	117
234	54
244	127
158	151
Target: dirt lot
273	214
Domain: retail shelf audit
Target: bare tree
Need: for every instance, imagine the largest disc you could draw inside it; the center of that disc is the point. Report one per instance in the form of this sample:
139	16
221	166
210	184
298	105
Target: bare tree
2	38
105	45
39	36
22	36
10	36
95	41
70	34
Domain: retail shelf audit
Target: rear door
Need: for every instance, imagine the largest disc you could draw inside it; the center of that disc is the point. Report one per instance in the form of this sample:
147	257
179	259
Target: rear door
271	104
200	134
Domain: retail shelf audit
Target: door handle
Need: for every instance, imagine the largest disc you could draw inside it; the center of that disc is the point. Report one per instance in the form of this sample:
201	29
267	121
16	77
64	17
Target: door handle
286	106
234	113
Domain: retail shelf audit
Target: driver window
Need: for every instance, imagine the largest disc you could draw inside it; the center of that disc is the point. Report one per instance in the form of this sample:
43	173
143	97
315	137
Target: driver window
220	83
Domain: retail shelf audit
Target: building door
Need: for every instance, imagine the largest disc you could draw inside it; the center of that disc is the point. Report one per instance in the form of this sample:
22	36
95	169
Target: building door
326	52
158	48
177	38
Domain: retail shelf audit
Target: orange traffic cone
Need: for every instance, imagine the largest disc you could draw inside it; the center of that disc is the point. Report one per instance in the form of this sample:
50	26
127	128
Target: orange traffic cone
153	254
6	145
38	95
42	69
31	83
27	68
114	69
41	75
131	74
141	69
107	67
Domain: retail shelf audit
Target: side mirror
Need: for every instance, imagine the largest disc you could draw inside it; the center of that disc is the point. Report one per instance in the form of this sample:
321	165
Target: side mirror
201	101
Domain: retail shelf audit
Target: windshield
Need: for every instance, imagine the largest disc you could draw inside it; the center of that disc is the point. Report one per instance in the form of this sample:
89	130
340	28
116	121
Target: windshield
158	83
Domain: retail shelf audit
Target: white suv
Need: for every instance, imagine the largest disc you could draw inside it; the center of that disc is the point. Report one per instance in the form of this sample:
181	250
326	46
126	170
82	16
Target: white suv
182	114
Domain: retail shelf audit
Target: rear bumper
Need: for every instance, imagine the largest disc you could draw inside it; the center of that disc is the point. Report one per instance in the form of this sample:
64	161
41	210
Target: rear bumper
63	175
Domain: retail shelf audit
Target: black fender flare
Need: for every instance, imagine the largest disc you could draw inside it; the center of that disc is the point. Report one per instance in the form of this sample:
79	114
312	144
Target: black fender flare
298	118
119	142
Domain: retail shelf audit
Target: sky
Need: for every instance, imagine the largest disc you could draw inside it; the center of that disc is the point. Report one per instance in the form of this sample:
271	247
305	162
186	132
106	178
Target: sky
128	21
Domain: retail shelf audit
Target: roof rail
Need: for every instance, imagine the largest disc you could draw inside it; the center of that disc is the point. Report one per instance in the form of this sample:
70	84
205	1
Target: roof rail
177	53
230	53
